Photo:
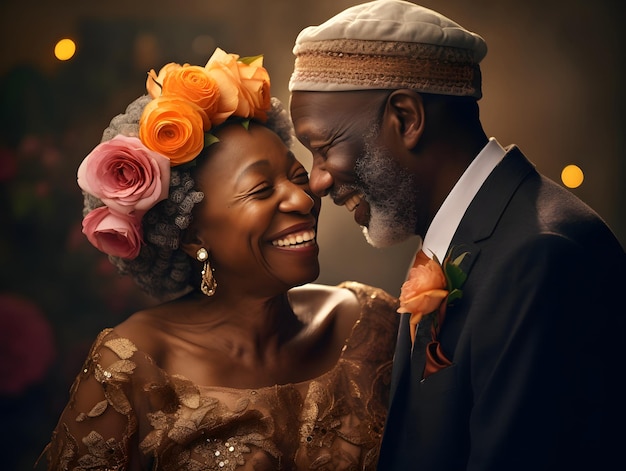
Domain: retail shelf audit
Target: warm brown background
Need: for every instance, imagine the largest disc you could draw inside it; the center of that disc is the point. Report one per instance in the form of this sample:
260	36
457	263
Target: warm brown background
553	84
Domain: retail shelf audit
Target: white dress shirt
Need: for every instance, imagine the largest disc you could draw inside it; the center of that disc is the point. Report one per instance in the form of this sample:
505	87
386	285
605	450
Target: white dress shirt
448	218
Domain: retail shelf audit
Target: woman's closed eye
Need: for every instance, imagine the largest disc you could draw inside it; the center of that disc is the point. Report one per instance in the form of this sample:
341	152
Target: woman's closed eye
262	190
301	177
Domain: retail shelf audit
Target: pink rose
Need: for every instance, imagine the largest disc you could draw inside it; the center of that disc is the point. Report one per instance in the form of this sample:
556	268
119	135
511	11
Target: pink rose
114	234
125	175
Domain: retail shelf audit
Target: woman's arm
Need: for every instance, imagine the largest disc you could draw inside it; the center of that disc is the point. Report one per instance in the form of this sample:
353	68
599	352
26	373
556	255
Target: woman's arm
98	425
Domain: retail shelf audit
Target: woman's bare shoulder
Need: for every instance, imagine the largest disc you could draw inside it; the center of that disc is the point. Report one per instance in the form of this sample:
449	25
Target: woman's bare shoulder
145	330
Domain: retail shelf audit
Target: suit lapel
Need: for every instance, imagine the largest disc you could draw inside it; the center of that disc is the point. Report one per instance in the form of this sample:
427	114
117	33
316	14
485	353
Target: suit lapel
485	210
487	207
402	356
477	225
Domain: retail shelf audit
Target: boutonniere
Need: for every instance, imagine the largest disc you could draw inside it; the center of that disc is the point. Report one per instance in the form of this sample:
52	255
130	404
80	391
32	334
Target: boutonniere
431	286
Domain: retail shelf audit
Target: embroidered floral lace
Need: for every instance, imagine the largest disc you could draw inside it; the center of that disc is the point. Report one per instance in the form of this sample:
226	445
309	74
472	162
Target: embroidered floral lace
125	413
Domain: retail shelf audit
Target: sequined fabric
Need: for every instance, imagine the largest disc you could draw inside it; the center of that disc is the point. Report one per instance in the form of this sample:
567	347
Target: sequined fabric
125	413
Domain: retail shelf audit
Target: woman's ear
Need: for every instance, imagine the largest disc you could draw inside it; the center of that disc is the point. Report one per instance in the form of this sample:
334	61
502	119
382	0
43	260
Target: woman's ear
191	242
405	113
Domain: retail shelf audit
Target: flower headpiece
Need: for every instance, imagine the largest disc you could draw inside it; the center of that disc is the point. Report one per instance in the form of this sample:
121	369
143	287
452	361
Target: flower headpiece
130	174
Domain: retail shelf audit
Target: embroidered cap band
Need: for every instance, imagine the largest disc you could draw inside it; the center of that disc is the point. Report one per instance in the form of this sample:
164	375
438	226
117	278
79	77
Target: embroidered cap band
388	44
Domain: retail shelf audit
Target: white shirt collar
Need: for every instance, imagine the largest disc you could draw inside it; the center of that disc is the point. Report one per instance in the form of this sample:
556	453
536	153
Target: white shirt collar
448	218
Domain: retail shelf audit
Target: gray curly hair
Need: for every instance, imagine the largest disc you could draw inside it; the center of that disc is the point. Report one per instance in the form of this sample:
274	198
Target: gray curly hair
162	269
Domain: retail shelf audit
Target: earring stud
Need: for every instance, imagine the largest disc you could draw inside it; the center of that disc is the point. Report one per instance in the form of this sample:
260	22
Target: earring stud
202	254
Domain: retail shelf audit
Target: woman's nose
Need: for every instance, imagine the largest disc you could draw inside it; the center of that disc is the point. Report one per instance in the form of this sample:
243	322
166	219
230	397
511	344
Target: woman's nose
297	199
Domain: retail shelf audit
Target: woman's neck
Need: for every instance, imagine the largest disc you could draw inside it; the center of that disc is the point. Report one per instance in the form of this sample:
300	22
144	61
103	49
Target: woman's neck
255	329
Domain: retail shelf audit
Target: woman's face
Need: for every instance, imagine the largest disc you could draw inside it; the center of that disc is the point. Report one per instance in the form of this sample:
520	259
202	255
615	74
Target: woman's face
258	218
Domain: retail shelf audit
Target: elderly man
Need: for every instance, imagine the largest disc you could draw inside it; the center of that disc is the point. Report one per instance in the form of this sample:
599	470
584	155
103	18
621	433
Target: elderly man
507	356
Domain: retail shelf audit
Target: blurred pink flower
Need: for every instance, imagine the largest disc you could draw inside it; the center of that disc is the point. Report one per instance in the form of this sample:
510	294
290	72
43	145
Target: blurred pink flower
30	146
8	164
26	344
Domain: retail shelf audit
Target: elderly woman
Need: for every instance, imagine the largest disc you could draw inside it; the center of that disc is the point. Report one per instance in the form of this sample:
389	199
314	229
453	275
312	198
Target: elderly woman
245	365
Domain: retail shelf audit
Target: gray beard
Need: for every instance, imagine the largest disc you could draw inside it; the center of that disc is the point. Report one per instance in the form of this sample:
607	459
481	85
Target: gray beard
390	191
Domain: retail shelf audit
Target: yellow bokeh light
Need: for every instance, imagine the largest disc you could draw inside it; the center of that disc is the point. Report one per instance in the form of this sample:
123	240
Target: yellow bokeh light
64	49
572	176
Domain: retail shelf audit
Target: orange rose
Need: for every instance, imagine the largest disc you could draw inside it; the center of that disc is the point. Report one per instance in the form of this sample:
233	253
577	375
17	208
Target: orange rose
154	82
256	86
222	67
192	83
423	291
174	128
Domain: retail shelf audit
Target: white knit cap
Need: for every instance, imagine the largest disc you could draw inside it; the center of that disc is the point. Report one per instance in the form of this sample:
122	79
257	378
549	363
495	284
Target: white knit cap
389	44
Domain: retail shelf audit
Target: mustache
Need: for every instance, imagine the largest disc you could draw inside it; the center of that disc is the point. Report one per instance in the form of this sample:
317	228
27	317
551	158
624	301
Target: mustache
337	191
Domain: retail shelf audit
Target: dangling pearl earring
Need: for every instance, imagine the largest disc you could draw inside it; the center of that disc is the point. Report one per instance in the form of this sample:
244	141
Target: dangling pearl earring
208	283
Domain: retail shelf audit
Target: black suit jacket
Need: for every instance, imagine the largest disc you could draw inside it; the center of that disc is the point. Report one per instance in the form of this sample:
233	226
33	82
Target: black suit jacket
535	341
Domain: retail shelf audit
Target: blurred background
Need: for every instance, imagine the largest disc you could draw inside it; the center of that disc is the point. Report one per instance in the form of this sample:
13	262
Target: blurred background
552	81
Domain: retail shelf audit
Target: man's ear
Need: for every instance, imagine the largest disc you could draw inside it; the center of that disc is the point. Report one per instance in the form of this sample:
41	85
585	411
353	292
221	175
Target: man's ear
405	113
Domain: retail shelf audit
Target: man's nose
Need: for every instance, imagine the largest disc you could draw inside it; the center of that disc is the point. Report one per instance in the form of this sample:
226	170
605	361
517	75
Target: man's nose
320	180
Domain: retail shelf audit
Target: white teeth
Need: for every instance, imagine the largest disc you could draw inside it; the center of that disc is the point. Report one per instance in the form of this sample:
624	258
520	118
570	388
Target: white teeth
294	239
353	202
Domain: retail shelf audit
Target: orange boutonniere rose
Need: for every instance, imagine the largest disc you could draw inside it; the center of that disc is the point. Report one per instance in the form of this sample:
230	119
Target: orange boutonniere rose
431	286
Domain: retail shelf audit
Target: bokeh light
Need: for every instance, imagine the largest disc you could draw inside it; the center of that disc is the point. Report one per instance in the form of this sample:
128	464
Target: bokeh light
572	176
65	49
203	44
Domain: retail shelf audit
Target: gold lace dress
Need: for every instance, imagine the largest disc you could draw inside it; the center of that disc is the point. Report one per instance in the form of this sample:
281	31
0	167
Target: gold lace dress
140	417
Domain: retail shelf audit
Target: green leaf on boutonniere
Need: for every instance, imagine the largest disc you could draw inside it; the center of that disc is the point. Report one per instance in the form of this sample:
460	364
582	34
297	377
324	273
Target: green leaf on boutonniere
455	276
246	124
454	295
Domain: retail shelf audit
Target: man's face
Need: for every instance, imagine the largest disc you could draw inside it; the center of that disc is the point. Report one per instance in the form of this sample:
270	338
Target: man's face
352	166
